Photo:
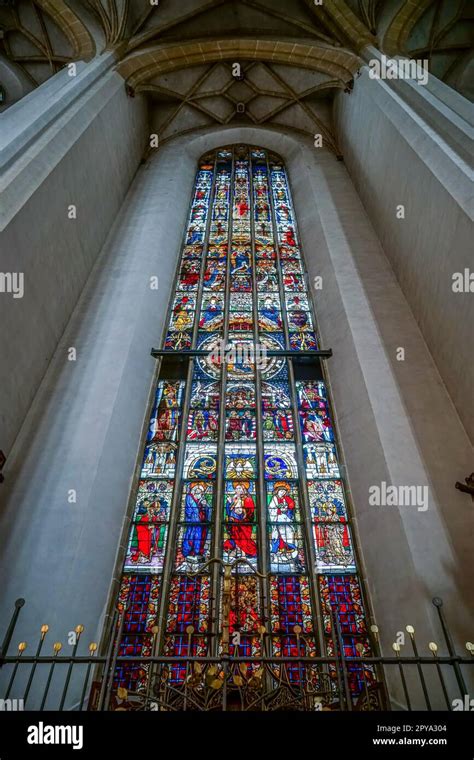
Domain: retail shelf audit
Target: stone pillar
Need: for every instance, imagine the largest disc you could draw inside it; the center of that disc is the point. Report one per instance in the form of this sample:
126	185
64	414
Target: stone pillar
73	142
410	144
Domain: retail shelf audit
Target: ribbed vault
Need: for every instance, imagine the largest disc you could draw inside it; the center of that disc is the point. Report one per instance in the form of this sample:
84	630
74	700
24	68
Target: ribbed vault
441	31
38	37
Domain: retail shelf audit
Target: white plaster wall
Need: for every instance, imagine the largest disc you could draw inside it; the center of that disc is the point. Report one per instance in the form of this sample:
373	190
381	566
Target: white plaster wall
86	156
396	420
413	151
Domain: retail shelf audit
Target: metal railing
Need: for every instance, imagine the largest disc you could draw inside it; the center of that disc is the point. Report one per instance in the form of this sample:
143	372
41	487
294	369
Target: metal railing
95	681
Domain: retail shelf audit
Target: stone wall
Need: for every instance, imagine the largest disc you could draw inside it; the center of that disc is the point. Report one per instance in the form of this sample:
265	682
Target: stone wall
407	144
76	143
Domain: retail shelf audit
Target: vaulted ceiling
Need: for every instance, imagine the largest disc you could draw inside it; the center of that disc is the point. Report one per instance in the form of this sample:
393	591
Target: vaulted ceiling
207	62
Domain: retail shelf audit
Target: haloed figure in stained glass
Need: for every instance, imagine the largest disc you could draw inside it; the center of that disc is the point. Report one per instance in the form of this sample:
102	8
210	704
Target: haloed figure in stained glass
196	511
240	260
269	313
240	509
281	513
212	314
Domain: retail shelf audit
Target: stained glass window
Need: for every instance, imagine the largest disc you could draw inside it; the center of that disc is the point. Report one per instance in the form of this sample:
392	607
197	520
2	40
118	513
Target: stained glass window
241	460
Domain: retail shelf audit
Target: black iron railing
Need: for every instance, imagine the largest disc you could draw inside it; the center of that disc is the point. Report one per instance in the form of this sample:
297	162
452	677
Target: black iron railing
94	681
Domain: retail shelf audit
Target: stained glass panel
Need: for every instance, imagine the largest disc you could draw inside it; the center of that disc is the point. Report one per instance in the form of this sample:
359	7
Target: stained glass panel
290	604
203	425
342	594
326	500
159	461
245	619
193	548
196	504
316	425
333	547
276	395
200	461
147	544
240	542
138	597
155	495
188	604
358	676
280	461
205	395
283	501
138	602
320	461
286	548
240	461
240	396
240	425
311	395
277	425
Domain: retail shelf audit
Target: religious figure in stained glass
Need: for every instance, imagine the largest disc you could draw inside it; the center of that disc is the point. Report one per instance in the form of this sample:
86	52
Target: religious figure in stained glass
285	541
197	513
212	314
240	425
239	515
148	534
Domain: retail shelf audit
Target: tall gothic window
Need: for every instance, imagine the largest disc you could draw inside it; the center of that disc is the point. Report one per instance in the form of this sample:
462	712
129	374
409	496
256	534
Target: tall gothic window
240	463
